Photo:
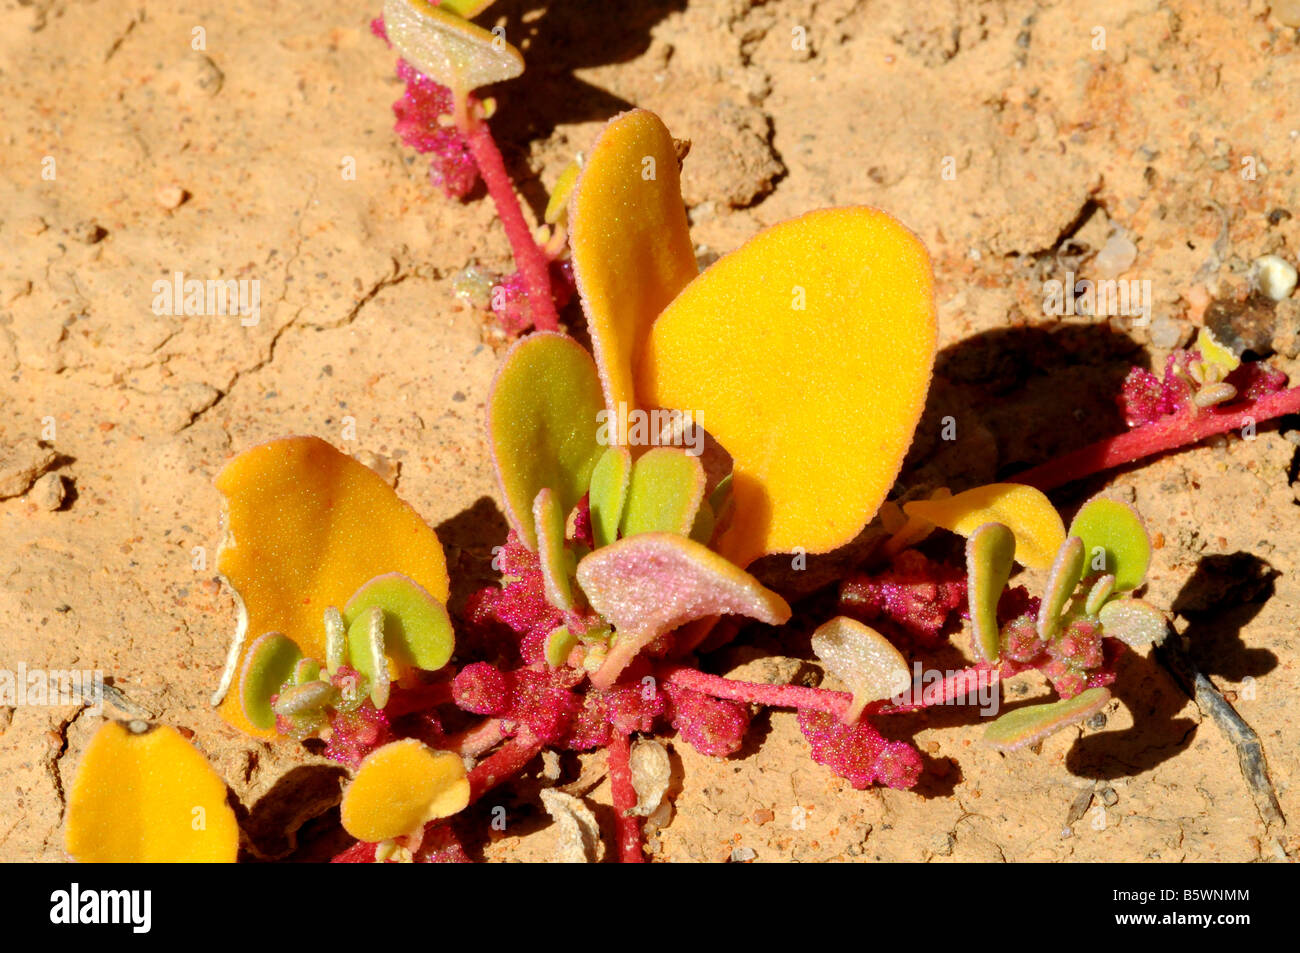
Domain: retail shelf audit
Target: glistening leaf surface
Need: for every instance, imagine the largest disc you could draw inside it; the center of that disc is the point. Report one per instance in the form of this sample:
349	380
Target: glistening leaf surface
306	525
542	425
136	799
632	250
807	353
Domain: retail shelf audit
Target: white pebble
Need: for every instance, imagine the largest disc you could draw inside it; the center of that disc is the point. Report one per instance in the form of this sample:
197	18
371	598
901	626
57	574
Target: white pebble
1275	276
1116	256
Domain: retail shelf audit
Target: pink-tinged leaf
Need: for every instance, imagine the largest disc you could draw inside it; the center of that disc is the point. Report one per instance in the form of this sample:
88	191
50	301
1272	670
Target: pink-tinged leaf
608	494
863	659
665	492
1133	622
1114	540
1066	572
990	551
447	48
554	558
542	423
652	583
270	663
1024	726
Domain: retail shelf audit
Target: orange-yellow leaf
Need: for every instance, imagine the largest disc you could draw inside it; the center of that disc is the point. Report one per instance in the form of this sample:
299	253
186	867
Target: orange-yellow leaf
305	527
144	795
400	787
1027	512
807	353
632	251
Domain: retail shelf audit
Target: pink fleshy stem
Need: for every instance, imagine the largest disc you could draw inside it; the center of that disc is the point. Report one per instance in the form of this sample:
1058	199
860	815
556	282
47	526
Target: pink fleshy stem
1168	433
773	696
532	261
958	685
627	826
502	765
476	740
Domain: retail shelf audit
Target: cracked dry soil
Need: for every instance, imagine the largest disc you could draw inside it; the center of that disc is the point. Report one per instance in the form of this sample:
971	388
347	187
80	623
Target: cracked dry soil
225	163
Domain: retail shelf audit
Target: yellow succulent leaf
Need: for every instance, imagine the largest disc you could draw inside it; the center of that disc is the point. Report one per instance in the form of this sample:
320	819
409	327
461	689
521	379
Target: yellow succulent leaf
144	794
807	353
557	206
401	787
1027	512
305	527
632	250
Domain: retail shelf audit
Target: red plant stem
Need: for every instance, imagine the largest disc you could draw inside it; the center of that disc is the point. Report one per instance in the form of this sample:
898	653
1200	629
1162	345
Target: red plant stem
530	258
502	765
775	696
476	740
957	685
627	826
418	698
1168	433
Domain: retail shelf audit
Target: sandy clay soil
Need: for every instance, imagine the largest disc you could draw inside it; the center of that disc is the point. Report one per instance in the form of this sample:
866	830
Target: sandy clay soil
225	162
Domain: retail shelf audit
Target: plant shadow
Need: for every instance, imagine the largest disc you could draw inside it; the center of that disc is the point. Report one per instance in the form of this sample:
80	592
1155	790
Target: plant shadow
556	40
1223	595
1005	400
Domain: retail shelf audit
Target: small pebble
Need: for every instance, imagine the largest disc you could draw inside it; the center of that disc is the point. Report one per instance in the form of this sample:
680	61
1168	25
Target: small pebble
1165	333
1109	797
743	855
1116	256
1276	276
170	196
48	492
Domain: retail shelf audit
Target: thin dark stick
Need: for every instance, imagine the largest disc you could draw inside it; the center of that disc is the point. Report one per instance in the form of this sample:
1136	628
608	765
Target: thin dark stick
1172	654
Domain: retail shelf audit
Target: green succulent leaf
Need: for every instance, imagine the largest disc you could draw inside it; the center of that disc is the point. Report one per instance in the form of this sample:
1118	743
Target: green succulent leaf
559	643
270	663
990	552
1025	726
1062	580
542	425
1101	590
307	670
555	559
705	524
306	698
1114	540
609	481
664	494
417	629
366	650
1133	622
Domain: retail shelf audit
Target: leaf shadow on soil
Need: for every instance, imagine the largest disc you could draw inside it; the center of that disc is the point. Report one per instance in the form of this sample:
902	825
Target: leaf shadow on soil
561	38
1222	596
